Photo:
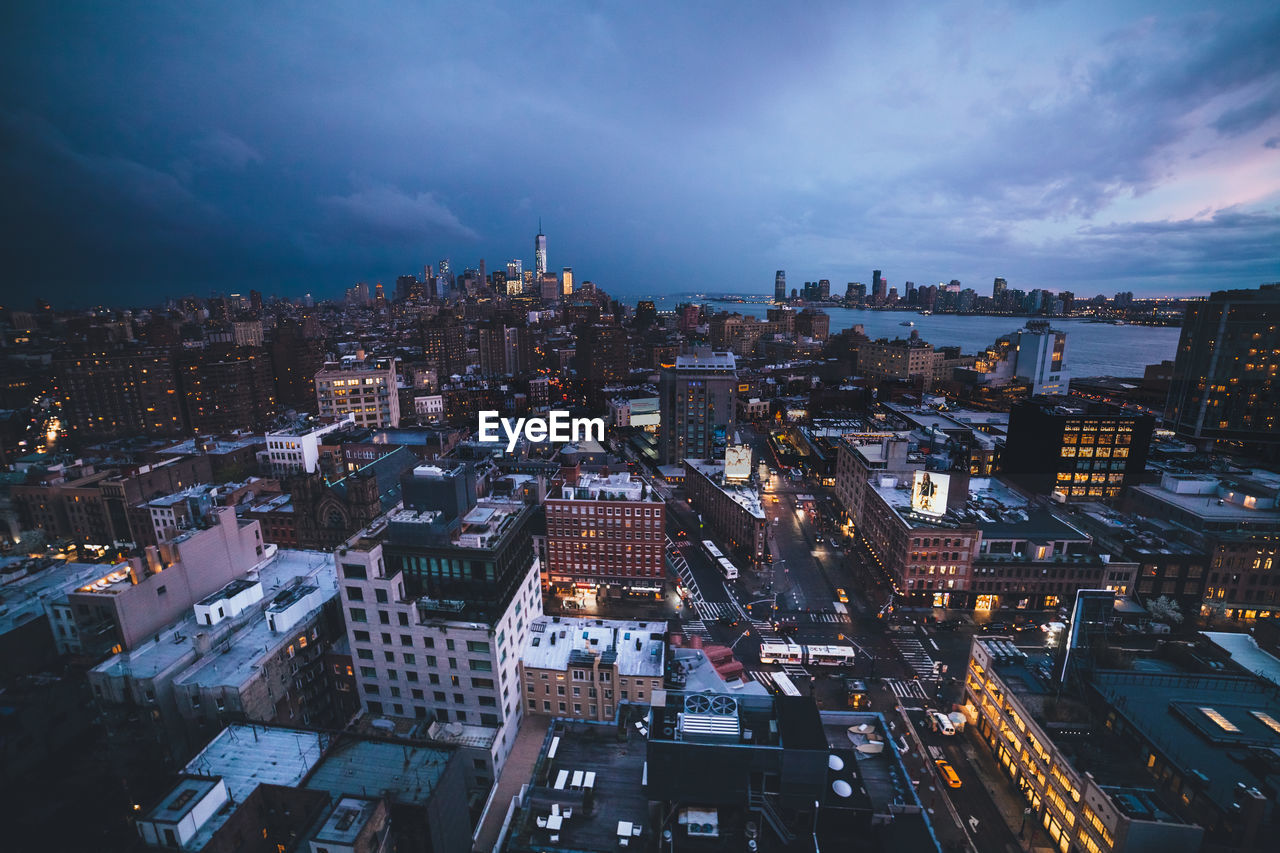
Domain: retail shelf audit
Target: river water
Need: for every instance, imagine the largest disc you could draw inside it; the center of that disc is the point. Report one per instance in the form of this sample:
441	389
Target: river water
1093	349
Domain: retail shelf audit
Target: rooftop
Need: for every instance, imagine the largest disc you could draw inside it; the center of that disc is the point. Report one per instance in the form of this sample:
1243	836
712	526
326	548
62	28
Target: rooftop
218	445
404	773
23	600
174	645
246	756
1245	651
745	496
619	486
638	648
346	821
304	425
234	663
616	793
1226	727
707	360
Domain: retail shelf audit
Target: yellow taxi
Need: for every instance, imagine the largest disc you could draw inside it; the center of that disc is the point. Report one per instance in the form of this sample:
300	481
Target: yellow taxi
842	596
948	773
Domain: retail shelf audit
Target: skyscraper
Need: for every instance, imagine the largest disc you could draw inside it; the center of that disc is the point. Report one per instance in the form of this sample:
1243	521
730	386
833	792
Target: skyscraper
998	288
1224	374
697	398
566	281
879	287
539	253
515	270
780	286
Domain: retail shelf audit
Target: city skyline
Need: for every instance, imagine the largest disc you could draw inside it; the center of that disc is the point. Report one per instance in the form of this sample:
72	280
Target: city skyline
1131	147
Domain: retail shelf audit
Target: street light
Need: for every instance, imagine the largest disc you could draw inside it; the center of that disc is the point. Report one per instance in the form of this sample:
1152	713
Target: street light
741	637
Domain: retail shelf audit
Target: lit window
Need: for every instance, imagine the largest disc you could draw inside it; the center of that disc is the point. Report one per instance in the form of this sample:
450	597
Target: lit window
1223	723
1268	720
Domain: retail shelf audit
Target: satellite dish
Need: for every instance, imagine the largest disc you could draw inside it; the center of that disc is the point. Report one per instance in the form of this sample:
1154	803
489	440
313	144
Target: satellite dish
842	788
835	762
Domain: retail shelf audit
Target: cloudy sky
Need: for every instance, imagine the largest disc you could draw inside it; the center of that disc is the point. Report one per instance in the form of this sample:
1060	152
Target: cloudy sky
151	150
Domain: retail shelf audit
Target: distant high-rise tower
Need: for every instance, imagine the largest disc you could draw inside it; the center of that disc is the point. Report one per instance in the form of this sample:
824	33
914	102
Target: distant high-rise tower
697	404
780	286
539	253
566	281
879	287
1224	375
998	289
515	270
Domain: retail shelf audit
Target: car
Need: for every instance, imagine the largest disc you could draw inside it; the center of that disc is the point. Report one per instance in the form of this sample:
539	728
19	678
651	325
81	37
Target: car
948	773
775	498
994	627
842	596
941	723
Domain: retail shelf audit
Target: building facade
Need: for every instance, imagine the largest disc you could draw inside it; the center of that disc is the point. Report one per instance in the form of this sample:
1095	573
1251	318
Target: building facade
1076	451
364	389
606	533
698	405
584	669
732	512
1224	385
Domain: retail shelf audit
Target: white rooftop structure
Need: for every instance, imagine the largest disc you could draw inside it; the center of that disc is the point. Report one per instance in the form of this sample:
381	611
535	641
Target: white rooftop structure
175	645
639	647
705	359
619	486
745	496
1245	651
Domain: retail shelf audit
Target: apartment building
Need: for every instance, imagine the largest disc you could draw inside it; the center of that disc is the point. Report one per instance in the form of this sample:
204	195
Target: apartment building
584	669
606	534
295	449
364	388
439	597
733	512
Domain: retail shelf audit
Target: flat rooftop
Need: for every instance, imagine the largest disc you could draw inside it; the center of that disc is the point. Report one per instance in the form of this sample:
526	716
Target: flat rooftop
577	640
216	446
707	360
246	756
617	794
1212	723
23	600
182	799
244	652
405	774
745	496
1245	651
175	644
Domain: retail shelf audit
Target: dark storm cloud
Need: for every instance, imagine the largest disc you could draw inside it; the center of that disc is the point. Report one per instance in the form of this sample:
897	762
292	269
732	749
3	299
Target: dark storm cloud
154	149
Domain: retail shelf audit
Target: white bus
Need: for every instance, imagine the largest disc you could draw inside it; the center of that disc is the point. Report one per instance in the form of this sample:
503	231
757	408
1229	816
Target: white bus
784	652
829	655
711	550
784	684
728	569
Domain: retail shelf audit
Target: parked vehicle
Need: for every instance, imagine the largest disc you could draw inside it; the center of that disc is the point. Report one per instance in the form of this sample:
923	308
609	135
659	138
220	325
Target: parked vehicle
941	724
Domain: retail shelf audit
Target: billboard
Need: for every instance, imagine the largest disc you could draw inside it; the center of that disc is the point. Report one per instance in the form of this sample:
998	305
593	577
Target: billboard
929	492
737	462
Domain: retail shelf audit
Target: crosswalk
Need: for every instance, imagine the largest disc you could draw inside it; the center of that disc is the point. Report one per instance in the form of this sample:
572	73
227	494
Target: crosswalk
678	562
795	670
714	609
823	616
915	656
906	688
697	628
